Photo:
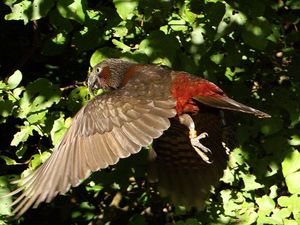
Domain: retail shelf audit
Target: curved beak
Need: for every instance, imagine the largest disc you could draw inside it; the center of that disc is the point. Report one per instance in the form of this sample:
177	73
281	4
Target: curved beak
92	83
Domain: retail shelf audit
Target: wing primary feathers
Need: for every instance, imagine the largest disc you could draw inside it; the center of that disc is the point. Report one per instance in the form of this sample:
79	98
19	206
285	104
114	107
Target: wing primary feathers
147	129
91	157
111	157
133	133
99	151
115	145
125	142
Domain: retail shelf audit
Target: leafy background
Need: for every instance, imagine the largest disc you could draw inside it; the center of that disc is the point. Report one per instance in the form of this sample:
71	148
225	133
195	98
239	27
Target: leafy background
250	48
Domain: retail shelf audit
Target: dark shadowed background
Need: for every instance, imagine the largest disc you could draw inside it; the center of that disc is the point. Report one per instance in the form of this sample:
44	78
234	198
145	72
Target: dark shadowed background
249	48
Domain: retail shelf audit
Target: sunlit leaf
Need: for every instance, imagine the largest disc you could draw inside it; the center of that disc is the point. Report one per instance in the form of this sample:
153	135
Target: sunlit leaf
39	96
15	79
121	45
250	182
74	10
8	160
22	135
19	11
103	53
55	45
291	163
266	204
125	8
38	159
60	126
5	208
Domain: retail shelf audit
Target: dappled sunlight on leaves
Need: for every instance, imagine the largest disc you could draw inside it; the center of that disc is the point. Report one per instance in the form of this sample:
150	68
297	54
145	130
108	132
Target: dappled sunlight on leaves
249	48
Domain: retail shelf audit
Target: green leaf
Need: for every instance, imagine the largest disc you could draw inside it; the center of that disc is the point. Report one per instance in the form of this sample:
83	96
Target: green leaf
60	126
266	204
230	19
38	159
40	8
5	203
294	140
178	25
157	48
2	86
103	53
121	45
250	182
291	163
121	30
290	222
28	11
94	187
228	176
9	2
21	150
22	135
55	45
125	8
16	94
187	14
18	11
14	80
72	9
292	202
37	117
39	96
237	157
8	161
294	4
292	182
198	36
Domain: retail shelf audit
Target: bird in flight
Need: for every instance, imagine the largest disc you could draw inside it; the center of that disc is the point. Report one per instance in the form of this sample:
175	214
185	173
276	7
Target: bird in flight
180	114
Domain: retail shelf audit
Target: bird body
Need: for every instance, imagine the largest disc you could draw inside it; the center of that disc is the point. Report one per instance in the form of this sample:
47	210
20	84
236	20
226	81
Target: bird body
144	103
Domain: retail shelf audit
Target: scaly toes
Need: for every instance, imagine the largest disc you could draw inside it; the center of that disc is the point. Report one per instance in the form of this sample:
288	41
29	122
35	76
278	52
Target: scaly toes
202	151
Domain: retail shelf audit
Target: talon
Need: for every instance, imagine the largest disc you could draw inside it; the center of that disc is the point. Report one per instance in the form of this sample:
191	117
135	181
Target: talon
202	135
202	151
200	148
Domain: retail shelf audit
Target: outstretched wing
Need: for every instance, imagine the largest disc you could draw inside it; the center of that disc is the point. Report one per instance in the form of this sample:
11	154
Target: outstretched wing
109	127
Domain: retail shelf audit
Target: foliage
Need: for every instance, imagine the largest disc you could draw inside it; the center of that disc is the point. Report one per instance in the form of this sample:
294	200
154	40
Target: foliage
250	48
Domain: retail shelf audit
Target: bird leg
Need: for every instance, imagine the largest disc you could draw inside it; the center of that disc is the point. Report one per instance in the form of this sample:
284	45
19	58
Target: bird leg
203	152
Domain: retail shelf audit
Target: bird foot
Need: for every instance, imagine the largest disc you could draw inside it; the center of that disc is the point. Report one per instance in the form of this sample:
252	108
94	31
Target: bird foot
202	151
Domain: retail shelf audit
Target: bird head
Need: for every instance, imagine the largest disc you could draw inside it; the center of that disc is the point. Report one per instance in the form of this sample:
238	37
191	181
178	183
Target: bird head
108	75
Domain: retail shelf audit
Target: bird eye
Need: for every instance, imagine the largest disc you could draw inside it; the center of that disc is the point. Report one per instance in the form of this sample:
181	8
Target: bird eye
98	69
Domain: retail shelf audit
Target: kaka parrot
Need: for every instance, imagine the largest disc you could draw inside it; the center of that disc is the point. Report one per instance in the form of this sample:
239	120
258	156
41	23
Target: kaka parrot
180	114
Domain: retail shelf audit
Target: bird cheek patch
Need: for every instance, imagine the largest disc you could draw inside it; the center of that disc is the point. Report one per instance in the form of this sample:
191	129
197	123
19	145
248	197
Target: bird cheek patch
105	73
